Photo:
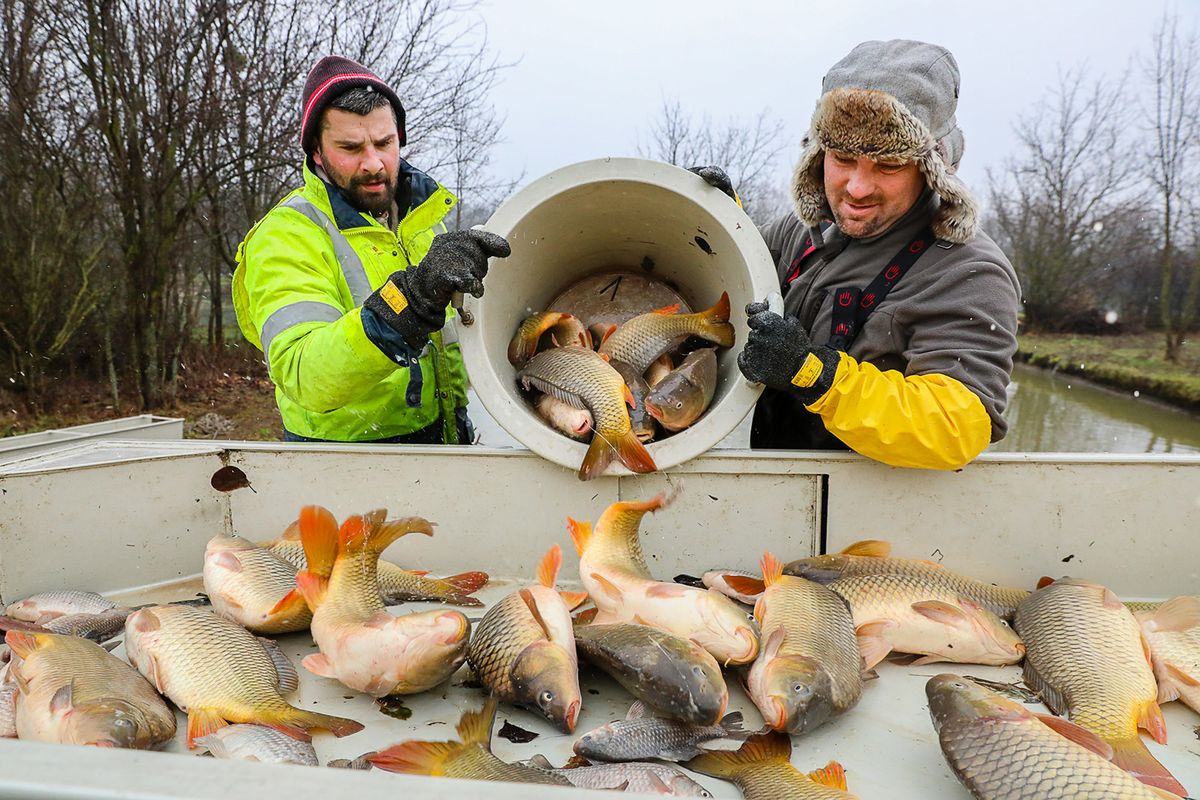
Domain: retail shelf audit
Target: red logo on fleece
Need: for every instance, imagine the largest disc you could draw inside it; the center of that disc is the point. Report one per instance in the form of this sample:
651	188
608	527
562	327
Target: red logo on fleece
891	272
845	299
868	300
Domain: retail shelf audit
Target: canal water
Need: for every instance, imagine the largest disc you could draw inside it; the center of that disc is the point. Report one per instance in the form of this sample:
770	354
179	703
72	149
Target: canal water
1056	412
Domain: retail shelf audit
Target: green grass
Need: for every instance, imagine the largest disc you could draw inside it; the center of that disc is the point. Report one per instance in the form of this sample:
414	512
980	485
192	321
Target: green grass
1129	361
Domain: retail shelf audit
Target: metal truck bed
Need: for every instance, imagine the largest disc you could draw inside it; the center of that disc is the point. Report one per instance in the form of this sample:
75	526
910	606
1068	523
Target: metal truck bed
131	519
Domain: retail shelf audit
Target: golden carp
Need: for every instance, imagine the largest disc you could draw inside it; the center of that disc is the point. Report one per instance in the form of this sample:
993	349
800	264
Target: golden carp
396	585
1087	658
641	340
615	576
911	614
641	735
674	676
578	376
685	393
1173	632
810	669
73	691
218	672
750	586
1001	751
523	650
564	330
470	758
564	417
253	587
762	769
259	743
361	644
873	557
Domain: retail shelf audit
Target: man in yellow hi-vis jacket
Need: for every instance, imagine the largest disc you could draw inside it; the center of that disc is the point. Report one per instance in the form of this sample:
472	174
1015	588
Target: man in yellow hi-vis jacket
900	316
345	284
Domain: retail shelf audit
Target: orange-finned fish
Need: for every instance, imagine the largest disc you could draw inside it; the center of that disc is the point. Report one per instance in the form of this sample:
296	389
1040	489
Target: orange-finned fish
615	576
1087	657
685	393
644	338
762	769
253	587
1173	632
523	649
563	328
361	644
578	376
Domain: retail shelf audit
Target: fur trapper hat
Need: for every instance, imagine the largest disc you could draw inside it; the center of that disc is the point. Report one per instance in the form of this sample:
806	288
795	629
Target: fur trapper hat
893	100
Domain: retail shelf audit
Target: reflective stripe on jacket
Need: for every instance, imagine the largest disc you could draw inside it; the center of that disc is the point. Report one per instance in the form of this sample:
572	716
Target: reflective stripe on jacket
303	273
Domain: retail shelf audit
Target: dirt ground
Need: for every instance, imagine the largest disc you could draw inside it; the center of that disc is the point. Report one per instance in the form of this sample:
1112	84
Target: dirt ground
228	397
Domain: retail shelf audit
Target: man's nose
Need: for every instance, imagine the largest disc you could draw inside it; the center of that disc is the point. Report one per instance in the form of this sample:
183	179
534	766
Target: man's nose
372	161
860	183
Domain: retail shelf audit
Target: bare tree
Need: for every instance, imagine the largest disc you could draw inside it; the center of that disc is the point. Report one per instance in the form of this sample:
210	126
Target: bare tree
1059	203
1174	144
747	150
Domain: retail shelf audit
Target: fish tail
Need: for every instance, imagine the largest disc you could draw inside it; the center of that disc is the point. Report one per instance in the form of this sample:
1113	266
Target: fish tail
716	322
319	534
372	534
414	758
548	569
581	534
312	588
1150	719
475	727
762	748
457	589
599	456
296	719
573	600
832	775
772	568
633	453
1132	756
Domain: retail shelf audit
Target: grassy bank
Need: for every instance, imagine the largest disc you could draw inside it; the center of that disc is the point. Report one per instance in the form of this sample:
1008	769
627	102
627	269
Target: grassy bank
1130	361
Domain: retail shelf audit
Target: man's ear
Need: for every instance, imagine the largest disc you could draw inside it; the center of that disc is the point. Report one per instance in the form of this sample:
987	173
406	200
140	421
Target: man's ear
316	156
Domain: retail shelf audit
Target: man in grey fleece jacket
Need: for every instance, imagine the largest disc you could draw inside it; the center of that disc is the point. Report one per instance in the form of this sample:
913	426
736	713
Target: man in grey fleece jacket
900	317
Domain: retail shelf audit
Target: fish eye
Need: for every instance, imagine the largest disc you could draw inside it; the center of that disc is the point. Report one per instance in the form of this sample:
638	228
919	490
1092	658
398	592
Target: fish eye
697	669
124	722
798	688
679	404
546	698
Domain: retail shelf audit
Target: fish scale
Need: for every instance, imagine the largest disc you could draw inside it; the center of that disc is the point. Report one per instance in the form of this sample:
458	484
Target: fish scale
644	338
503	634
247	595
1176	658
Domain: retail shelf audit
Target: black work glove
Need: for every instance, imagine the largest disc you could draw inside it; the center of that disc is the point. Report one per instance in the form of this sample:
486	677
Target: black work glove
718	179
413	302
779	354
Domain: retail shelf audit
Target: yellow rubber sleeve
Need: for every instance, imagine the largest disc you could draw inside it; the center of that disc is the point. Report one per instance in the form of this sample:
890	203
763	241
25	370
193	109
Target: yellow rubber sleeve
925	421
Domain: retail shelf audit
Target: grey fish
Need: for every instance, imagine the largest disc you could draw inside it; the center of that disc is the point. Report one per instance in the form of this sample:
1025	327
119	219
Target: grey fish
247	742
639	415
97	627
45	606
635	776
640	736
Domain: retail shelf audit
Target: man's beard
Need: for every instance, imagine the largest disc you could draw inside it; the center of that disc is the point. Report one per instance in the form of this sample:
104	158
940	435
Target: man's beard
370	202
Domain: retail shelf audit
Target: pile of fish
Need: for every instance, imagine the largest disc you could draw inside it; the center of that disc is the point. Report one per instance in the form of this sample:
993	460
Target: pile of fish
802	638
625	386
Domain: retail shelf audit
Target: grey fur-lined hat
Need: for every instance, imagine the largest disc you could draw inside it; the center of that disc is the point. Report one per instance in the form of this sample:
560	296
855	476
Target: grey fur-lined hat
893	100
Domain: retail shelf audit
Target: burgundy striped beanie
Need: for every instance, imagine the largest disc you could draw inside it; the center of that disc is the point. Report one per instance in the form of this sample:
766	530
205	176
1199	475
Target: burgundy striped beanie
329	78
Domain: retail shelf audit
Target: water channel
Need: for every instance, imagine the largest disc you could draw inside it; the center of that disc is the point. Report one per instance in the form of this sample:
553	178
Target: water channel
1056	412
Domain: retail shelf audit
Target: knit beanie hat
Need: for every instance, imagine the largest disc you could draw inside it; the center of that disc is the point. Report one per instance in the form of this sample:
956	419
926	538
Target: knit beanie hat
891	100
329	78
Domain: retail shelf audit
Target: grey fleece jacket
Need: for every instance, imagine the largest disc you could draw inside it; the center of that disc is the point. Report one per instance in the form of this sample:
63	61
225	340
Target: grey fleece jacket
953	313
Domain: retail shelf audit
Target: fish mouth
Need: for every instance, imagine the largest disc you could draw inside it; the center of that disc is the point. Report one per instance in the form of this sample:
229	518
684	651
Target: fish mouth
751	646
572	716
780	722
653	410
582	428
463	626
1020	648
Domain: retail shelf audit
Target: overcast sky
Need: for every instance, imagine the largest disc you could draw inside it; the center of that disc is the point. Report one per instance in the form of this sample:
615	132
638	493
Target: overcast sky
592	74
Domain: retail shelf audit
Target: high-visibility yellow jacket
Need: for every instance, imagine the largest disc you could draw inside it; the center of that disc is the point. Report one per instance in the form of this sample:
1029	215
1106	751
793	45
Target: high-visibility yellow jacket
302	275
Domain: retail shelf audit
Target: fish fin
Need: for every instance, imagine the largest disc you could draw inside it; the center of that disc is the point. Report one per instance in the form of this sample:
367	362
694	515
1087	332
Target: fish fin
573	600
62	699
291	533
610	588
539	761
575	762
869	674
467	582
1051	696
872	644
923	660
227	560
319	534
599	456
772	568
638	710
581	534
626	446
586	617
379	620
716	322
1150	719
667	310
630	400
1044	581
941	612
657	784
1163	794
374	534
1177	614
548	569
312	588
420	573
1110	600
9	624
301	720
871	548
832	775
475	727
202	722
531	603
773	643
1078	735
319	664
1179	676
745	584
290	604
769	747
732	723
664	590
414	758
1132	756
607	334
929	563
289	679
23	643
